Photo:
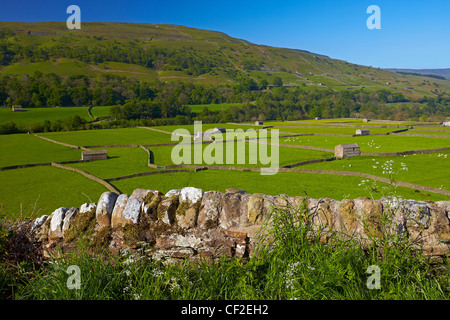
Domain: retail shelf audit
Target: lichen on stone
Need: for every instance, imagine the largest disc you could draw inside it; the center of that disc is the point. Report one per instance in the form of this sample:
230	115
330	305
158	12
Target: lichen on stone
82	223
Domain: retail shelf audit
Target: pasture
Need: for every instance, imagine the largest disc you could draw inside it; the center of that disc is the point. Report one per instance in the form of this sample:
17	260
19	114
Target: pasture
39	190
38	115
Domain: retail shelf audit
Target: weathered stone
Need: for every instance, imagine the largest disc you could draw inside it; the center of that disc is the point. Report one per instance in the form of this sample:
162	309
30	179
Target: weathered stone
105	208
165	241
191	195
440	223
167	209
324	214
173	192
233	190
208	216
349	220
188	208
116	216
56	223
69	216
230	215
236	234
372	221
255	209
223	251
417	214
38	223
151	202
87	207
133	208
241	248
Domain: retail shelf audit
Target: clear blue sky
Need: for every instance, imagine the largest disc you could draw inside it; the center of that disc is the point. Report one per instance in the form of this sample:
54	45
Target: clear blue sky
414	34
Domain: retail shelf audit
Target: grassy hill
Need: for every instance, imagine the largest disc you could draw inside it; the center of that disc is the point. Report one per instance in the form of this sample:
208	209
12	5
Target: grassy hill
179	53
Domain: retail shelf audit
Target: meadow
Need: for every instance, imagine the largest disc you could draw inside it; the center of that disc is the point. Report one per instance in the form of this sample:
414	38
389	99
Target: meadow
38	115
295	265
54	187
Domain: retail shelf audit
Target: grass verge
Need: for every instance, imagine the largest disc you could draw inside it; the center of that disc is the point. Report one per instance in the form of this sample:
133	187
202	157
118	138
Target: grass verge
294	263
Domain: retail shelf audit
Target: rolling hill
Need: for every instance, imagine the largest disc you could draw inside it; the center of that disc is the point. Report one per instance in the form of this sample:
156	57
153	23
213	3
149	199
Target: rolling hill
152	52
437	72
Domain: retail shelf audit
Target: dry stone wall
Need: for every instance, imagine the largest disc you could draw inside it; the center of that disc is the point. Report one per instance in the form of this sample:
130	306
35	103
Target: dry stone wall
189	223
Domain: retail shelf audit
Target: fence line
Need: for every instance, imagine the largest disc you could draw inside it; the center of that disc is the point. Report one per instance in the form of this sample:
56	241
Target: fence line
61	143
148	173
88	175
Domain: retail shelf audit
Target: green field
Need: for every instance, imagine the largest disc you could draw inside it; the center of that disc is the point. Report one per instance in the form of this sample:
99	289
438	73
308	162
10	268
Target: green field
38	115
54	187
110	137
41	190
292	184
391	143
120	162
27	149
162	155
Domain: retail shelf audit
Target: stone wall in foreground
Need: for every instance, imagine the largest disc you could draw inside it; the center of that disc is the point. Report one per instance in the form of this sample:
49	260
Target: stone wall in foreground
191	223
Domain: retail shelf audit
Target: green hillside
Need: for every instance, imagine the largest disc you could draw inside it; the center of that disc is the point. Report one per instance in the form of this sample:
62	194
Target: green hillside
151	52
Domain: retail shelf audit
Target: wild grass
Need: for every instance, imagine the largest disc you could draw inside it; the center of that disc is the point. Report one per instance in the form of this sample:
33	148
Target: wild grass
292	262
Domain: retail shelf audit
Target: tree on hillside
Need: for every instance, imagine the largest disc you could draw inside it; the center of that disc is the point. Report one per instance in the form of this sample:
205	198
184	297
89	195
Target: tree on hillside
277	82
263	84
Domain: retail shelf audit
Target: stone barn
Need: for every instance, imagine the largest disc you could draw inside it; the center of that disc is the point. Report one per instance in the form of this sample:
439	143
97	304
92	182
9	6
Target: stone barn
17	108
259	123
346	151
366	120
362	132
94	155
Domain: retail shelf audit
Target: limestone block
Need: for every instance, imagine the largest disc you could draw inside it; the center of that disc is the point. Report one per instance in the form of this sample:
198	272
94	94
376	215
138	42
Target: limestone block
38	223
69	216
116	215
167	209
56	223
105	208
208	216
133	208
230	215
187	212
87	207
255	209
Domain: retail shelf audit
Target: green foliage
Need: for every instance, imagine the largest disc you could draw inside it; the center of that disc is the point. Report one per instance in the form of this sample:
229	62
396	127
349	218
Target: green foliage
277	82
295	264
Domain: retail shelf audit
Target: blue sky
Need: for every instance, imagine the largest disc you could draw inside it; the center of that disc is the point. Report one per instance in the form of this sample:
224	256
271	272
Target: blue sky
413	34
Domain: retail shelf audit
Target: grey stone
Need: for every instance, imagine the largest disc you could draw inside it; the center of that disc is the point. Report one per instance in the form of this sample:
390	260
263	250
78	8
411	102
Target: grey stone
56	223
116	216
105	208
39	222
68	217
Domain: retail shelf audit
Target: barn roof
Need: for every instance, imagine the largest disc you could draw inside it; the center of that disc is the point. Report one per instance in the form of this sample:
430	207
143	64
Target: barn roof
351	145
